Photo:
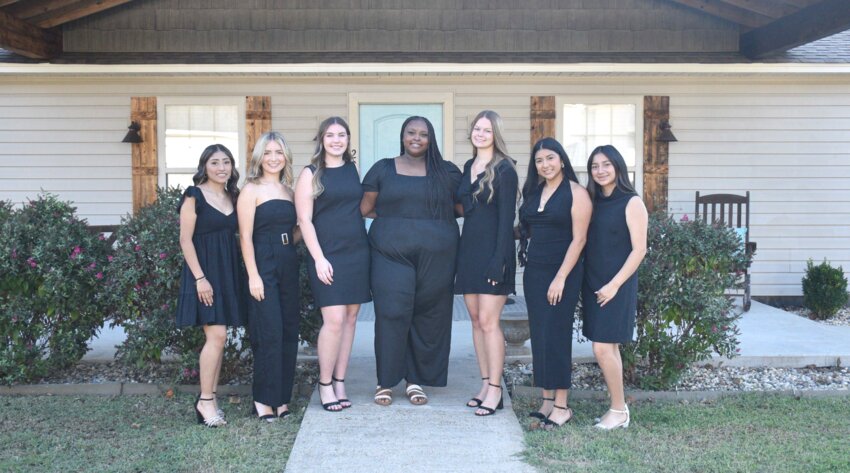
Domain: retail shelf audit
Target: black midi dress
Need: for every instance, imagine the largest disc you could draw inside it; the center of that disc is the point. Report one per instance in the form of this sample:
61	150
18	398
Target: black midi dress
487	249
274	321
215	244
342	235
413	265
551	326
608	246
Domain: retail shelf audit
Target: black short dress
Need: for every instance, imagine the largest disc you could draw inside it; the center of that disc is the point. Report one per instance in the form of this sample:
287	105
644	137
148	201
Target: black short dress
551	326
273	323
608	246
215	244
342	235
487	249
413	266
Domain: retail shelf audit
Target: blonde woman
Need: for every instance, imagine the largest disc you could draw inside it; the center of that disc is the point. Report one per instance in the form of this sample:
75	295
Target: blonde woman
327	198
266	229
486	261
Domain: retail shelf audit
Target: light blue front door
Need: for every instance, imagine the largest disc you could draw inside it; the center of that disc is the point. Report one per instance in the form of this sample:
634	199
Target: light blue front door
380	128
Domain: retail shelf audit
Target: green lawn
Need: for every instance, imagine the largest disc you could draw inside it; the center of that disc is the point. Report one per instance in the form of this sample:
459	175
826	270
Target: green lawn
137	434
745	433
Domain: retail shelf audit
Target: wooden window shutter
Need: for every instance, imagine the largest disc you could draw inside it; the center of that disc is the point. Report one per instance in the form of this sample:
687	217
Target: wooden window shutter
655	153
145	169
258	120
542	117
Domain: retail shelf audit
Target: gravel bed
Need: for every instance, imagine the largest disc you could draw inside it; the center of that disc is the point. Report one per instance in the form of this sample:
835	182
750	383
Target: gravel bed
710	378
841	318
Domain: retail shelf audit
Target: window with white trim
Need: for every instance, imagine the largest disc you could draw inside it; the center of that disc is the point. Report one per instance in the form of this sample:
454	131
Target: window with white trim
189	126
588	122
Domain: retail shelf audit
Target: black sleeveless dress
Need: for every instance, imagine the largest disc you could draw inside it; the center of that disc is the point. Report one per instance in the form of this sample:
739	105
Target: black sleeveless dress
608	246
487	249
215	244
274	321
413	267
551	326
342	235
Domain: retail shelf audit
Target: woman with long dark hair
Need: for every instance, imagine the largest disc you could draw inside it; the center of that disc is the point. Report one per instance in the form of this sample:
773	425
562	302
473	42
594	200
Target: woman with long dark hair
486	262
615	248
327	200
211	278
554	216
267	230
414	241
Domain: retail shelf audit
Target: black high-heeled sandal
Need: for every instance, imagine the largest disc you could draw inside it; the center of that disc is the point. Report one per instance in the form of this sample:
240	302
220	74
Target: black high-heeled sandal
266	417
551	424
214	421
218	410
475	402
328	405
538	414
345	403
489	410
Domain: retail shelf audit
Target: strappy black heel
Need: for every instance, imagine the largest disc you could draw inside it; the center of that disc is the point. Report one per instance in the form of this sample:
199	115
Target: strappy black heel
266	417
214	421
551	424
538	414
328	405
489	410
475	402
345	403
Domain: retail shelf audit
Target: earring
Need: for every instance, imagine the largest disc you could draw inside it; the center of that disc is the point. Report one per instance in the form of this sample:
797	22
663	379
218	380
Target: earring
562	165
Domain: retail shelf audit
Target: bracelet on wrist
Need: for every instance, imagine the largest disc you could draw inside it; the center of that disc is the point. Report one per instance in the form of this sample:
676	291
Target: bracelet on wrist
198	279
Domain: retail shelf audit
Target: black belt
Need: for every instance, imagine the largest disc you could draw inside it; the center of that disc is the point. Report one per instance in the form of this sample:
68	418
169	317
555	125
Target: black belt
273	238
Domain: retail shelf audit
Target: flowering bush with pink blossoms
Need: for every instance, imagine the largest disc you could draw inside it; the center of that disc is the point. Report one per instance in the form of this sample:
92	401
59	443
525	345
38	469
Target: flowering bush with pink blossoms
50	272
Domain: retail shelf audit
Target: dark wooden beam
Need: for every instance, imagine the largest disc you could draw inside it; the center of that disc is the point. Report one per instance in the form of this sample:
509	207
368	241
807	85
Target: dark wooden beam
75	11
770	8
3	3
27	10
27	39
809	24
727	12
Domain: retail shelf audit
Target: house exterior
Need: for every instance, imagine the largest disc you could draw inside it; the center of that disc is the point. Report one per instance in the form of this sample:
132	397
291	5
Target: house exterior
752	111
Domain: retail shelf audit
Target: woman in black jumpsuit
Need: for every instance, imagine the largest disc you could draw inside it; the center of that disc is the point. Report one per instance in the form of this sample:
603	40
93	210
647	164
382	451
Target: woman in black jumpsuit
266	229
327	198
414	242
486	260
616	245
553	216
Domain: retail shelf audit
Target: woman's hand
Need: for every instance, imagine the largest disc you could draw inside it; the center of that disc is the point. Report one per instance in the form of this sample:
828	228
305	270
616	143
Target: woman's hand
325	271
556	289
255	285
205	292
606	293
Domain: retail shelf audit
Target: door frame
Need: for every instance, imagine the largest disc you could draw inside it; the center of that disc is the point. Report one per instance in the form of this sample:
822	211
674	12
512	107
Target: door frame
446	99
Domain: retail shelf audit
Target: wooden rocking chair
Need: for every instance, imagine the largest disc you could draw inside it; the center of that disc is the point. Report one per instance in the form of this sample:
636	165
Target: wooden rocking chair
734	212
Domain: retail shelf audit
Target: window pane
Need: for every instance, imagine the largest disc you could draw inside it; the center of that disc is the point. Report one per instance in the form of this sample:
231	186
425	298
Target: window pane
599	119
181	180
603	124
191	128
623	118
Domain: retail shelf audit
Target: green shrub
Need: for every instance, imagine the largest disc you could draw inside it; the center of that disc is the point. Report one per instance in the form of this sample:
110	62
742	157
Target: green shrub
311	315
49	279
683	314
824	289
143	283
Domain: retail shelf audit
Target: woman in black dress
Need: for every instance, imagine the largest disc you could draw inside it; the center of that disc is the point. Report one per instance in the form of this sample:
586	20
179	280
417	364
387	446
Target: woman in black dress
267	231
554	215
327	200
615	248
486	262
414	242
210	282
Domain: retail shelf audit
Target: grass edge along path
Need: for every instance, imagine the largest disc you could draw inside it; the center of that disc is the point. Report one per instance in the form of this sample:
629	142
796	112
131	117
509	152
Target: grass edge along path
741	433
138	433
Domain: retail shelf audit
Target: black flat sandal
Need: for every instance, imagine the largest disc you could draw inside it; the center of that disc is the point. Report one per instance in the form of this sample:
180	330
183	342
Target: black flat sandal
551	424
538	414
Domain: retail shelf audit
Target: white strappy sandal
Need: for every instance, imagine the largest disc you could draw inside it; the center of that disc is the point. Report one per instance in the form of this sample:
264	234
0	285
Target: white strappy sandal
622	425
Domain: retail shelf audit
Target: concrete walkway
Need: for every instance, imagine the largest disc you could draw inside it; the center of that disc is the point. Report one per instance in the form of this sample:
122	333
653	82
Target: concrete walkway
441	436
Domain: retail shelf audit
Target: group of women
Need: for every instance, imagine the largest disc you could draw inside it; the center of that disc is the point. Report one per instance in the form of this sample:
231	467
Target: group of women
572	241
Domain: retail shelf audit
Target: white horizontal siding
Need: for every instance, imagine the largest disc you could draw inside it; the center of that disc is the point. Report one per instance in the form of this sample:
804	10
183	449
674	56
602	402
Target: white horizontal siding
787	142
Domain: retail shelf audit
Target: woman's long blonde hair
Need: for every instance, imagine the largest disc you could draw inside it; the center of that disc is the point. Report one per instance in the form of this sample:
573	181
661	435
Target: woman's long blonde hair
500	152
318	159
255	164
